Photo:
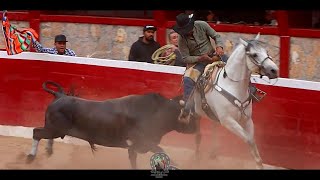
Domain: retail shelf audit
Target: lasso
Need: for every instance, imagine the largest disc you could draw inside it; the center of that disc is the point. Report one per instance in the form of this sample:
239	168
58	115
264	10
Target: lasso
166	60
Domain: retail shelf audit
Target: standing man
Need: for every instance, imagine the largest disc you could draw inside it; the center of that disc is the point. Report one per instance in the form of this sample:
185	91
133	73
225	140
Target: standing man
60	47
145	46
197	52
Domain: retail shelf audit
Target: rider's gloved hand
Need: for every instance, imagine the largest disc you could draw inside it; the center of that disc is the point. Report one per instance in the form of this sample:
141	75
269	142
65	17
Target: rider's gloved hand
205	58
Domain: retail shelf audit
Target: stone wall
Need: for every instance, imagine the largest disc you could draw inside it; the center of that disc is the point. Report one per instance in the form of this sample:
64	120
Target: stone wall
93	40
272	43
305	59
114	42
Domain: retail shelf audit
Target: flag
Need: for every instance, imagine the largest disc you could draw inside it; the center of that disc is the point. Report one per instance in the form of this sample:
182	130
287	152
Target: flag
16	40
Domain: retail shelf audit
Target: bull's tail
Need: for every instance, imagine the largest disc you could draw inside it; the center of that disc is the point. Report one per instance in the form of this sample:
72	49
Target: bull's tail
58	93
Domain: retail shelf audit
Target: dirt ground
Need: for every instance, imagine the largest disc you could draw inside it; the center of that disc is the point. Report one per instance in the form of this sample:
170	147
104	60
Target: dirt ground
13	151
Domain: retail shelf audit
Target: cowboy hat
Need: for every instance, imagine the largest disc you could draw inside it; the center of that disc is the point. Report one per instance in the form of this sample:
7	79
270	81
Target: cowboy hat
184	23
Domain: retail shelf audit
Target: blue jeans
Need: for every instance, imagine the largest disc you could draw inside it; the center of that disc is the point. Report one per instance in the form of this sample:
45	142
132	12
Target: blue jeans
188	85
224	58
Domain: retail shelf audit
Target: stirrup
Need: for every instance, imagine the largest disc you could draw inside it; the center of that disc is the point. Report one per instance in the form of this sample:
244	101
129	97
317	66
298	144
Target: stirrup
258	95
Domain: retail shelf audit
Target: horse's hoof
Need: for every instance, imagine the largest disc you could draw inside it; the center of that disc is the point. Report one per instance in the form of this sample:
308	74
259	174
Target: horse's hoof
30	158
260	166
49	152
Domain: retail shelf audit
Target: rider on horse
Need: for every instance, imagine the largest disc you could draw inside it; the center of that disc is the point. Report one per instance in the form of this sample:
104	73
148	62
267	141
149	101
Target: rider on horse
197	52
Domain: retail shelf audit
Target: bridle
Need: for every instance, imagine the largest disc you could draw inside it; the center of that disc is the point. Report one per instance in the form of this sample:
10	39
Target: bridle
255	62
260	66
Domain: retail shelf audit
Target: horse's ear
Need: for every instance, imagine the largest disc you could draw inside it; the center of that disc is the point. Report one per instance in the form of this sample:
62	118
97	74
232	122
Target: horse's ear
257	37
243	42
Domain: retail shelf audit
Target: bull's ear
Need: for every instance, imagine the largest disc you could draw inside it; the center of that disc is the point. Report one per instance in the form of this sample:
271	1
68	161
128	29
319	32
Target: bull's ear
257	36
245	43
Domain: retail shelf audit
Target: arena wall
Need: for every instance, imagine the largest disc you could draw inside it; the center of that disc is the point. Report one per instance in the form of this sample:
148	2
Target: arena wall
286	121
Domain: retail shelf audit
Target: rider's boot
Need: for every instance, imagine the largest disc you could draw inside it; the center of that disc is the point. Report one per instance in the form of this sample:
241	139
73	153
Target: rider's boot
187	112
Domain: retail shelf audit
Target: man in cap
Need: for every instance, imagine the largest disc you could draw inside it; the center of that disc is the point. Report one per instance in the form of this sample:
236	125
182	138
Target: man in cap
60	47
145	46
197	52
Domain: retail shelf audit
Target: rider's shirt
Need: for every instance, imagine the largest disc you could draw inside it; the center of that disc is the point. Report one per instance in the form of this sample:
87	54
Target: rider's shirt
199	44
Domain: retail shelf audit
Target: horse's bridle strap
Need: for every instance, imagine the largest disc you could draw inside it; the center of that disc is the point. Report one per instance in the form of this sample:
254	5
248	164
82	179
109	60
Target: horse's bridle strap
260	66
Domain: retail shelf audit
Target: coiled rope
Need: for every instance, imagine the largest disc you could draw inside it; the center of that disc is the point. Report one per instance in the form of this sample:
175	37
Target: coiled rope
166	60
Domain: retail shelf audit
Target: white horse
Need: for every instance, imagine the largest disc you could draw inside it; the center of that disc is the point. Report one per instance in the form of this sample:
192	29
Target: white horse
234	109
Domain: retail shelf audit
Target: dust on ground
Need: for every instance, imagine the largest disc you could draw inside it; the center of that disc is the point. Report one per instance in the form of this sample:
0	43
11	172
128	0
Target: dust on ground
13	151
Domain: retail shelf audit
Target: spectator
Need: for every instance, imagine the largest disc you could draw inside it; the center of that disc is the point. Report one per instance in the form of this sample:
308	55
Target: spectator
169	54
211	17
60	47
145	46
270	18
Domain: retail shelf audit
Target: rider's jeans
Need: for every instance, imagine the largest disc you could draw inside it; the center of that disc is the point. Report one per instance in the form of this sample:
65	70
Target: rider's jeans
188	85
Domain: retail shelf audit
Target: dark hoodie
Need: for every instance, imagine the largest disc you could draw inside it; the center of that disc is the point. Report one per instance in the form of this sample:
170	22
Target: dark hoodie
142	52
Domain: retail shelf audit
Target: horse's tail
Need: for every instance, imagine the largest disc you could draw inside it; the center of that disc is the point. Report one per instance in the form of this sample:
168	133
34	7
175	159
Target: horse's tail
58	93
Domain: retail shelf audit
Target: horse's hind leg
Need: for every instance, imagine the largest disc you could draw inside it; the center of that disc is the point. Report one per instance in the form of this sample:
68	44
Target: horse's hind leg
198	138
234	127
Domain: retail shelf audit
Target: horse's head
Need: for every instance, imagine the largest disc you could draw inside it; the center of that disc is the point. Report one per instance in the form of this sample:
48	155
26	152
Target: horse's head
258	59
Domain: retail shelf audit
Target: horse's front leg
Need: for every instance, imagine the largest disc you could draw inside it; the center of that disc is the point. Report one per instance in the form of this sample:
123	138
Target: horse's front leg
249	127
231	124
215	141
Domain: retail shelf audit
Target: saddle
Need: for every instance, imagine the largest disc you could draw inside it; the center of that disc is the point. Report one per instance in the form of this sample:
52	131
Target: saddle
204	82
208	80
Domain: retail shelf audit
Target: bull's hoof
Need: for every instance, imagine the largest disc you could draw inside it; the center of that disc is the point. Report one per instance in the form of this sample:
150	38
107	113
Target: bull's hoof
49	152
30	158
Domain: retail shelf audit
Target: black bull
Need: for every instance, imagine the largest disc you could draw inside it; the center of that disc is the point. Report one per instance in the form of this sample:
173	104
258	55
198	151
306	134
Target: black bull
134	122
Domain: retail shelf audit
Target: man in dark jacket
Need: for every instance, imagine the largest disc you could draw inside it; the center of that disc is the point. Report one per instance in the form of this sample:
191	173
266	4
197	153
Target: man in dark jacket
145	46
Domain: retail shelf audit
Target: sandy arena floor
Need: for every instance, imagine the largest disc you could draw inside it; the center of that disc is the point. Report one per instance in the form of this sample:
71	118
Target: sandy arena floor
13	152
